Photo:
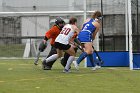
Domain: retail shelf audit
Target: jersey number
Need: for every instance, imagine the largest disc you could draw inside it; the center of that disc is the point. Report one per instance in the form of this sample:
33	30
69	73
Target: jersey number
85	27
65	31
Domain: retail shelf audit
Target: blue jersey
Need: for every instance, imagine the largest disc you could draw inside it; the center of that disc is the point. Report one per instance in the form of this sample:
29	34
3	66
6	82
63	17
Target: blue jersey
85	34
88	26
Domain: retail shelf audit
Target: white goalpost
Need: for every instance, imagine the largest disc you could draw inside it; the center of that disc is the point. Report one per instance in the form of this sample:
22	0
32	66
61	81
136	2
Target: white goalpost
130	35
129	24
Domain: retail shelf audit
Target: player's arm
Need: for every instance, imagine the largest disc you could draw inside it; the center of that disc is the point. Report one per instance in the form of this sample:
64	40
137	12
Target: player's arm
97	25
49	33
76	29
47	36
75	34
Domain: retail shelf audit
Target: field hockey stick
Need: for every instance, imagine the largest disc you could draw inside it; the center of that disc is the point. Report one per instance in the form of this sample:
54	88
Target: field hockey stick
98	56
77	43
79	47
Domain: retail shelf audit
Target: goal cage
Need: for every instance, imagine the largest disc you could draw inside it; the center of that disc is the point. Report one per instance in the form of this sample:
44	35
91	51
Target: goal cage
131	56
22	32
133	7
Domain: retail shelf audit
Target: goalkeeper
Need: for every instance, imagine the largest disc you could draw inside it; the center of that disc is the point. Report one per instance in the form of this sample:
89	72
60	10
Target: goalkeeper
50	34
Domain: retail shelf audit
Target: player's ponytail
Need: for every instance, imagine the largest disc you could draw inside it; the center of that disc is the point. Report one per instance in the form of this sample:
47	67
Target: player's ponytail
96	14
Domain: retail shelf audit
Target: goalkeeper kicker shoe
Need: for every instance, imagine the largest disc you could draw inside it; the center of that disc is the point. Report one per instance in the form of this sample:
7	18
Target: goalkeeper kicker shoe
44	65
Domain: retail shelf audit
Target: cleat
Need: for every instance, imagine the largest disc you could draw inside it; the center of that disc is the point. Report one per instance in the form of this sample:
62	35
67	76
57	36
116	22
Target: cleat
66	71
96	67
35	63
44	65
47	68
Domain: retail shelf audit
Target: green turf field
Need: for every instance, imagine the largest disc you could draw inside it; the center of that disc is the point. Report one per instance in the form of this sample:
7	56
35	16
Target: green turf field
21	76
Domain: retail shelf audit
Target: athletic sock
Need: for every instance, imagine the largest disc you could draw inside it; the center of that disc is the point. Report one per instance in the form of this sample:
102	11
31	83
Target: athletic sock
81	57
70	60
91	59
52	58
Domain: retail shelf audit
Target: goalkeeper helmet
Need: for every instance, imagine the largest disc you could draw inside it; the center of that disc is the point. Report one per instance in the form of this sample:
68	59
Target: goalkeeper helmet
59	20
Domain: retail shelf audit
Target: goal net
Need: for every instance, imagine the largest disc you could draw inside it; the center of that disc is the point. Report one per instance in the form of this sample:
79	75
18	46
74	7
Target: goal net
22	32
134	34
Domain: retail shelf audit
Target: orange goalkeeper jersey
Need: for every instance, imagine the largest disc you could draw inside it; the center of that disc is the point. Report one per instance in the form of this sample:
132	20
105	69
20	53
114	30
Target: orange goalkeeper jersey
53	33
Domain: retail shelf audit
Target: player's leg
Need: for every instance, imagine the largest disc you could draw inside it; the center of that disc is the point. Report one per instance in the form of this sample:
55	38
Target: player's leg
41	48
37	58
85	37
64	60
71	52
70	60
87	51
91	59
66	56
52	57
49	65
49	59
